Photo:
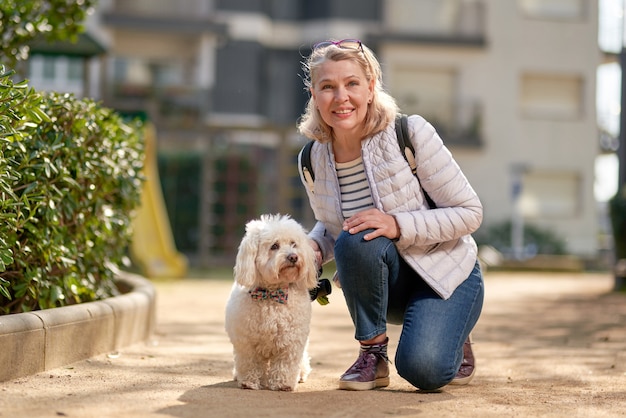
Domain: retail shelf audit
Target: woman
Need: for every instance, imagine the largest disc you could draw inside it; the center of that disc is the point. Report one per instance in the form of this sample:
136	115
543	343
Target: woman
398	261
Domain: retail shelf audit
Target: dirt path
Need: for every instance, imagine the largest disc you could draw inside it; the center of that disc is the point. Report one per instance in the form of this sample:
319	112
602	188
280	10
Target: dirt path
549	345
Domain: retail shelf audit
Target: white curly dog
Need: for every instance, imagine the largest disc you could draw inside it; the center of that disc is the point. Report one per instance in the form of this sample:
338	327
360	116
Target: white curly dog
268	313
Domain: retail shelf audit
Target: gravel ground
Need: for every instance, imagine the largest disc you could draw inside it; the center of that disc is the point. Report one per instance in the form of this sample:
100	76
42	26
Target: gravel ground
548	345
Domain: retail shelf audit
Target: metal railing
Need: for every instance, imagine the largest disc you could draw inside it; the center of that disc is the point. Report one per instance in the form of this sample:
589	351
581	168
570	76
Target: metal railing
175	106
458	123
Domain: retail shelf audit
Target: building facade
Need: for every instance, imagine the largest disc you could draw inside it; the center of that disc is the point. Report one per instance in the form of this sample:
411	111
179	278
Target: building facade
509	84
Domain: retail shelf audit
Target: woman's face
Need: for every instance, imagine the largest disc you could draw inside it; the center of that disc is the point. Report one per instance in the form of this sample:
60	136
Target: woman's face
342	94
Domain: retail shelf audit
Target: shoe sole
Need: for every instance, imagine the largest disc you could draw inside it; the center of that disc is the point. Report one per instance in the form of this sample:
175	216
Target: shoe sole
462	381
378	383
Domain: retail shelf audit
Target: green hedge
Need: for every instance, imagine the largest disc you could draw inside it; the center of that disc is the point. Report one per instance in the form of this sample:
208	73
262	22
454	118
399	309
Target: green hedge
543	240
70	180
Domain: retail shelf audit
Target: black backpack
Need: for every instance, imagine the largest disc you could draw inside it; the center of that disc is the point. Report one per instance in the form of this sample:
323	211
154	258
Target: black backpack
405	146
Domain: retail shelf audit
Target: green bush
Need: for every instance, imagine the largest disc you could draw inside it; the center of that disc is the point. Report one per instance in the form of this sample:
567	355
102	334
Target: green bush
617	210
24	21
71	180
542	241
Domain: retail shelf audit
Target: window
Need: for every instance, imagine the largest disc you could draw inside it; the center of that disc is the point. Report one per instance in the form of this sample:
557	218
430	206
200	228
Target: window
56	73
551	96
49	68
131	72
426	16
550	194
75	69
427	92
553	9
435	17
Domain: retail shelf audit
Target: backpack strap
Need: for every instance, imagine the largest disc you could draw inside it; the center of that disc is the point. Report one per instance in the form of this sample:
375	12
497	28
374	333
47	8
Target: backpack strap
307	169
402	133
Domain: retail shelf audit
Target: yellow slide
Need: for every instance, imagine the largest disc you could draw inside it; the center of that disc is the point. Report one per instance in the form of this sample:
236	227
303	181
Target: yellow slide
152	246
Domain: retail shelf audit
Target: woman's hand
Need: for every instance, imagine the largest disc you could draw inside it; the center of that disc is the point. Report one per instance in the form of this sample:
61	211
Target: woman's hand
383	224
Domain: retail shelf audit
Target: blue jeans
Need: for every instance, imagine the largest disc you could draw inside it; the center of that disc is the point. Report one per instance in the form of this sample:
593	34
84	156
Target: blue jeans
380	288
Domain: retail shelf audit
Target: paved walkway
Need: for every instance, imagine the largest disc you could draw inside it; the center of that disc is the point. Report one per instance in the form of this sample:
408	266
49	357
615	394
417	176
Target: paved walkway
547	345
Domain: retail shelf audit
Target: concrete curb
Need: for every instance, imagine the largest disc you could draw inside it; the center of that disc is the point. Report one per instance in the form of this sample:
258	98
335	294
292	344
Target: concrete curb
33	342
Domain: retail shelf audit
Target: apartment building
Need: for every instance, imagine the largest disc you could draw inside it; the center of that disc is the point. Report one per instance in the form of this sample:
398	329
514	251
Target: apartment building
509	84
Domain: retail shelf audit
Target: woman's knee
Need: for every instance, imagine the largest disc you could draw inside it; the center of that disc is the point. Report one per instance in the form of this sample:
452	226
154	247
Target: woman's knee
349	245
426	372
354	247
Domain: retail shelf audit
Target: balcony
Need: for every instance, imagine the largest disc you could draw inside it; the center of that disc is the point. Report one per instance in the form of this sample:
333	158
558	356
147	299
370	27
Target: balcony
162	8
458	123
182	16
171	107
463	131
446	22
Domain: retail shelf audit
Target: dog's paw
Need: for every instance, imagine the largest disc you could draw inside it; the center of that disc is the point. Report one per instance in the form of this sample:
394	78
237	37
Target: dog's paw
305	368
304	374
281	388
250	385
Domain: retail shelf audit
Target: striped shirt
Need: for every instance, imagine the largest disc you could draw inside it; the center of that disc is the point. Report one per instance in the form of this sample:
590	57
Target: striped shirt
355	190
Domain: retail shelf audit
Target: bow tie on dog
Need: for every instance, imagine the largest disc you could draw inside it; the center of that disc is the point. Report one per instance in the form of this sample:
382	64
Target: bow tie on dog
277	295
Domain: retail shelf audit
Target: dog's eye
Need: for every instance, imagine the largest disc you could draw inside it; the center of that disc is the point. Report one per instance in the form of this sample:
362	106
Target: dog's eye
274	246
293	244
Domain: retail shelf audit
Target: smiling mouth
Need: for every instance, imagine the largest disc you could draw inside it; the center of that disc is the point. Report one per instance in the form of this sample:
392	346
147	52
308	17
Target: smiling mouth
343	112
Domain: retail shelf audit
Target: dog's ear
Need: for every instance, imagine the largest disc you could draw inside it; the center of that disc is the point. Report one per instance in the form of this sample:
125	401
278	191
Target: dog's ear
245	270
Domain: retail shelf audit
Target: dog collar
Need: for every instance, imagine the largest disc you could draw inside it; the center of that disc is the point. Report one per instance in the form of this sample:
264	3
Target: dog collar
278	295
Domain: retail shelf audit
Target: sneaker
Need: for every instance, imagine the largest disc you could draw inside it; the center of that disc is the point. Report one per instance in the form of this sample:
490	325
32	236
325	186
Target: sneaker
369	371
468	365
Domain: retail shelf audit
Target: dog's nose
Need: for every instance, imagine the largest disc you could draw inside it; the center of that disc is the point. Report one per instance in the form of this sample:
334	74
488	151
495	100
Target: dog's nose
293	258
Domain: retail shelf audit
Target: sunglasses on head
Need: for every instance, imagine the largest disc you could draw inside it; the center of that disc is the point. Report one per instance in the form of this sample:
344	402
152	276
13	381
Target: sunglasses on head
344	44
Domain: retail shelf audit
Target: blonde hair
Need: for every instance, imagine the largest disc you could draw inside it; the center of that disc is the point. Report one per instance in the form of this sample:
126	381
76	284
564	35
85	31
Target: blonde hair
380	113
